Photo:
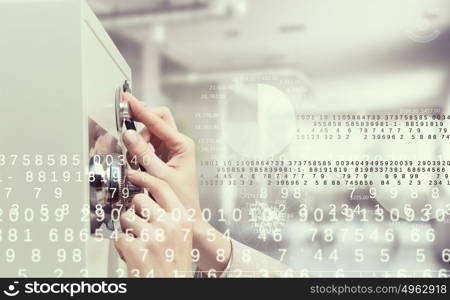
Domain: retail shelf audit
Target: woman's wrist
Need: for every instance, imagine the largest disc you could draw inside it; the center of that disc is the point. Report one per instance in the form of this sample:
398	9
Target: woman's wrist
214	248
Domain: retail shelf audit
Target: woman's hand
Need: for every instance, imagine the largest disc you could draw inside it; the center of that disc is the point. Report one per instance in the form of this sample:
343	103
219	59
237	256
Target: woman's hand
169	155
158	235
163	151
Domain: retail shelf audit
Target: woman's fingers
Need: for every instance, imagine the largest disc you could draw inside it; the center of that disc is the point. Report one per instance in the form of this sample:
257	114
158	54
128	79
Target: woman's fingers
160	190
156	126
132	223
161	111
144	153
146	208
165	114
124	244
146	135
160	148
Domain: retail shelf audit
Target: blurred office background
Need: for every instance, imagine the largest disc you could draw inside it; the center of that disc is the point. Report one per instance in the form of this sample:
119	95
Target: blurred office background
203	59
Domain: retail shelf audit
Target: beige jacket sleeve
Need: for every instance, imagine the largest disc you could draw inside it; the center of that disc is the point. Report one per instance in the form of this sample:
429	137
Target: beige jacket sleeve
248	262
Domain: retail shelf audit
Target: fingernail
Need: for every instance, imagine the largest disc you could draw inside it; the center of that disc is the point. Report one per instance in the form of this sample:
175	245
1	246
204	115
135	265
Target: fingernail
130	137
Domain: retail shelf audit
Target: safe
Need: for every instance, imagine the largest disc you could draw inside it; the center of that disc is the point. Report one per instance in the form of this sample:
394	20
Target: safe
62	167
